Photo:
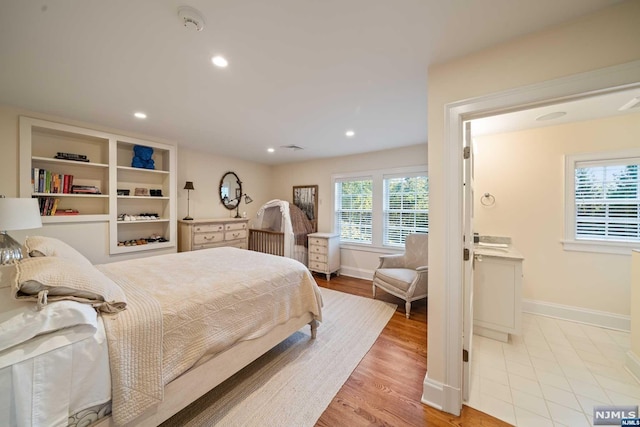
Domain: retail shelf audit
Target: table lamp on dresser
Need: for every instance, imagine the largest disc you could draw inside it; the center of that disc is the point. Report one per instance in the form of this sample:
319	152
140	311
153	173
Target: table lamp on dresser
16	214
188	186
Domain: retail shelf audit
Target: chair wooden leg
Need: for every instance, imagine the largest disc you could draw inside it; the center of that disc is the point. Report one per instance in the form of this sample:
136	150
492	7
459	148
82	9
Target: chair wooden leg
407	308
374	290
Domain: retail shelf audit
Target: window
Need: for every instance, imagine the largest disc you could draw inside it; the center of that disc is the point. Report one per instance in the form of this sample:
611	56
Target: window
604	203
406	208
380	208
354	201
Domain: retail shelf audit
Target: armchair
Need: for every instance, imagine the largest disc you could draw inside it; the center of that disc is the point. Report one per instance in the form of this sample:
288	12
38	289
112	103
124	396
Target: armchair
405	275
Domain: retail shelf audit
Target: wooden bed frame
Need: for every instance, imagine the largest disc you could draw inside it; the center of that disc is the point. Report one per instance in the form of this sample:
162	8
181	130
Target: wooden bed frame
266	241
188	387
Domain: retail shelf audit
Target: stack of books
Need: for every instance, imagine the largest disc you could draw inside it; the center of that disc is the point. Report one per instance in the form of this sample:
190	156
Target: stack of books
45	181
85	189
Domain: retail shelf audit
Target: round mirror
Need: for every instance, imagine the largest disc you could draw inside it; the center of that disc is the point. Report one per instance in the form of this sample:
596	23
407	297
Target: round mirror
230	190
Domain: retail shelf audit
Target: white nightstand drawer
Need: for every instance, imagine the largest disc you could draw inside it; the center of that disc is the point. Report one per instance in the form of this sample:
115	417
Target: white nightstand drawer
318	242
315	249
318	266
208	228
206	238
236	226
317	257
235	234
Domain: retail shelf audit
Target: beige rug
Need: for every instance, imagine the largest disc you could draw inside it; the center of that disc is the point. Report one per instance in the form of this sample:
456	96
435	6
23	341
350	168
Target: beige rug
292	384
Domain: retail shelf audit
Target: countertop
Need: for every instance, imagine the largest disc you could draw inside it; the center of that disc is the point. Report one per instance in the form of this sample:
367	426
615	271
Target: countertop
499	252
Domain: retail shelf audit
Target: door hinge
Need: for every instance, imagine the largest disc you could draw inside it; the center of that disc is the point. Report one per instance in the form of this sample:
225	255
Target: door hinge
466	154
465	254
465	355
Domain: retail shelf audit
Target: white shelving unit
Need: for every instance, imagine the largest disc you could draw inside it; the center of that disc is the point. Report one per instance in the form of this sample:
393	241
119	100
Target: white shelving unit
108	169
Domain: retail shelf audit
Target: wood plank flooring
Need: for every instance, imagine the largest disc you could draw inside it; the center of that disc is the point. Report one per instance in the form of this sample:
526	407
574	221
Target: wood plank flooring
386	387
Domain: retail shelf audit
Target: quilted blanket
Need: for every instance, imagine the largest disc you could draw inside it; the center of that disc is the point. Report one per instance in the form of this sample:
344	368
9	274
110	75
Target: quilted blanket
186	306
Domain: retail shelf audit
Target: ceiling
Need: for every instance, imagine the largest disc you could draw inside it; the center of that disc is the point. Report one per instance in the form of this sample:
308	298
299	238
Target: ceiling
301	72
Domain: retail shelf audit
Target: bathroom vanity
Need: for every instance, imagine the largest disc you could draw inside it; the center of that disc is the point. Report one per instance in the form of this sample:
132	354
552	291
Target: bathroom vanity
497	300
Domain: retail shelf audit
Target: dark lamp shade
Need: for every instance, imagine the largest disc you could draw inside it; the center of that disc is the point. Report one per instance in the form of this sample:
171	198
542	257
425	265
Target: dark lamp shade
188	185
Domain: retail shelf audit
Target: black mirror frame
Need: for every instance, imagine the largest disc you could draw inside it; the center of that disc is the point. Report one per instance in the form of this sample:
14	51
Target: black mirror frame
236	198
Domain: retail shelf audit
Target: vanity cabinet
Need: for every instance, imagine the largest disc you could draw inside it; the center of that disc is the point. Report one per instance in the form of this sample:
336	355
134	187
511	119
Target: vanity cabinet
497	300
212	233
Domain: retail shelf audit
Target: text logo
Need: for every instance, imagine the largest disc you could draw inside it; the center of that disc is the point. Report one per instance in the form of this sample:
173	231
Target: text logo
613	415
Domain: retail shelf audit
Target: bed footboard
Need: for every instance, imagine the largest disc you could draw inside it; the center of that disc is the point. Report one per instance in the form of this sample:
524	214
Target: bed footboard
266	241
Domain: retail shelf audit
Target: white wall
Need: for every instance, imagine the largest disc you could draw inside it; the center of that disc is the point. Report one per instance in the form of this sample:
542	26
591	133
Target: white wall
357	263
524	171
602	39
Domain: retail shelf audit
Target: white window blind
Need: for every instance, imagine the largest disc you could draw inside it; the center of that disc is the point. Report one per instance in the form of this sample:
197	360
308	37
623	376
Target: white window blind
406	207
354	202
607	200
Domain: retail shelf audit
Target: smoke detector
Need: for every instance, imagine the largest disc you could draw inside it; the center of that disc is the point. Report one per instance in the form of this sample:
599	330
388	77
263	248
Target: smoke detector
191	18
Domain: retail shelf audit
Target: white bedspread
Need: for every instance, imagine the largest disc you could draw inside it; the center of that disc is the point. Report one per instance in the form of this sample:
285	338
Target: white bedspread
209	299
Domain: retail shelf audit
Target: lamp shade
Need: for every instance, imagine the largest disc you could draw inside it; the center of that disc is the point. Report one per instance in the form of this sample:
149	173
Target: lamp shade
19	214
188	185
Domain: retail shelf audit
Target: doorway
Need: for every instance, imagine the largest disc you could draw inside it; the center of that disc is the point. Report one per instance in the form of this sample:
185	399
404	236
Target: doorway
574	87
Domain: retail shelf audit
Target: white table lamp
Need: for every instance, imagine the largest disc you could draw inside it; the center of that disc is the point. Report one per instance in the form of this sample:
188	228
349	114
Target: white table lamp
16	214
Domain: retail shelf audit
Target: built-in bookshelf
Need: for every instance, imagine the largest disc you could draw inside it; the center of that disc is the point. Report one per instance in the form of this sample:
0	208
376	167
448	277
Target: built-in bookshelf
84	175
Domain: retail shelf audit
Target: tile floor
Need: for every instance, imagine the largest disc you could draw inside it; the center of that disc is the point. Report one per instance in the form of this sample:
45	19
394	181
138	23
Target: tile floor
551	375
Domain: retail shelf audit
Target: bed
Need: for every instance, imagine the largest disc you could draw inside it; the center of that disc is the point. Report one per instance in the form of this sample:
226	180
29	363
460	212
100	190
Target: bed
182	324
281	228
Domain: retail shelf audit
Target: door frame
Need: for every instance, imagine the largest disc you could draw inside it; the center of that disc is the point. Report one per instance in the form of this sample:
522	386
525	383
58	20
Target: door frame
602	81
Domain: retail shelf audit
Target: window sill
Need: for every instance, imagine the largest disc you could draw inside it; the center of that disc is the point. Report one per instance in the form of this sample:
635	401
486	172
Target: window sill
603	247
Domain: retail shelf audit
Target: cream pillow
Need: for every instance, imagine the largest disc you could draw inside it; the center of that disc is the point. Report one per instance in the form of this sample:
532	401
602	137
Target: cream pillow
39	246
43	279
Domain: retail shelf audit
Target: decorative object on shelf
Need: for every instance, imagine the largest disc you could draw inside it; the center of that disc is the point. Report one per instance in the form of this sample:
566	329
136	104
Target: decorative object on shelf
123	192
306	198
487	199
155	192
141	192
188	186
71	156
16	214
142	157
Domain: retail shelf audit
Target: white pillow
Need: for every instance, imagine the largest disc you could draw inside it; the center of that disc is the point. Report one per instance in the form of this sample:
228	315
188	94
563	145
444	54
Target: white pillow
39	246
44	279
21	320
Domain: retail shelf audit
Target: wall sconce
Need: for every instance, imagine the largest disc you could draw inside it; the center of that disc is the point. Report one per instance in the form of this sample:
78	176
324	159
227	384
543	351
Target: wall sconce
188	186
16	214
247	200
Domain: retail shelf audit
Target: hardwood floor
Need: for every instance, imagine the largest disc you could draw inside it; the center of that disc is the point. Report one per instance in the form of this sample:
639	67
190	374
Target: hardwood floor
386	387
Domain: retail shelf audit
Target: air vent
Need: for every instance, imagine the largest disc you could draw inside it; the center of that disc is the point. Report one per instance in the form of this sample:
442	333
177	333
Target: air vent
292	147
634	103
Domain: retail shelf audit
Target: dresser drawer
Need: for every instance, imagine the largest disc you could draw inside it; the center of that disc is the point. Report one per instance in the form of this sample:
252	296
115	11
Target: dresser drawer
318	242
206	238
236	226
318	266
315	249
235	234
317	257
208	228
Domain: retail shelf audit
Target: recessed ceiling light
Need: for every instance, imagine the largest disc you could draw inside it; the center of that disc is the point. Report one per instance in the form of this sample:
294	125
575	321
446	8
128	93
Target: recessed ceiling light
350	133
551	116
219	61
140	115
271	150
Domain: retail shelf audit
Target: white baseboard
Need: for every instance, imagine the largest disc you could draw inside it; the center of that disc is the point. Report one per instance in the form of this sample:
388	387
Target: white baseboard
358	273
602	319
632	363
441	396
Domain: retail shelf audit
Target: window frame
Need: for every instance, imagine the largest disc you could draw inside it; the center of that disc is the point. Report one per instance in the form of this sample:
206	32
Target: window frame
570	242
386	210
377	211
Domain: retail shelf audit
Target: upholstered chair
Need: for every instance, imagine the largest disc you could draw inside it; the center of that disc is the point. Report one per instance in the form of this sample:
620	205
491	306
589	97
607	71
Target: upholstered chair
405	275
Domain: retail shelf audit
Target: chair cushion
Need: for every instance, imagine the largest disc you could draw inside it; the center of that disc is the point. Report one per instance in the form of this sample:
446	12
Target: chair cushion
400	278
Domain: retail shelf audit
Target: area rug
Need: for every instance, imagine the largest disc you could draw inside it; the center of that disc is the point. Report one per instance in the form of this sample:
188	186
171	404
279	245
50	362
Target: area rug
292	384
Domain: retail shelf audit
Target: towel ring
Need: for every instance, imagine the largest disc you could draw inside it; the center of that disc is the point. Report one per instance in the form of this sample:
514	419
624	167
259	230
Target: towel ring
487	199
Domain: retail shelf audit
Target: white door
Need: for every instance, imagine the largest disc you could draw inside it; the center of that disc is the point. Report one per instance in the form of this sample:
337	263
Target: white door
467	330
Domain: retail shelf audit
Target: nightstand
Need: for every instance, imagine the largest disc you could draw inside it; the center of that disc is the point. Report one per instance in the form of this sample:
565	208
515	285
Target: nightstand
324	253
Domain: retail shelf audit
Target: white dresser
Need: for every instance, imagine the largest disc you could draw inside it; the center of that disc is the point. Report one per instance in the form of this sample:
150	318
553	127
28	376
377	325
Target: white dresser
497	299
324	253
212	233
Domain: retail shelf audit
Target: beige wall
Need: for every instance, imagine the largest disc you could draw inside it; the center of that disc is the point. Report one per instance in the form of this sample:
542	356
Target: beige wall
595	41
358	263
524	171
635	303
